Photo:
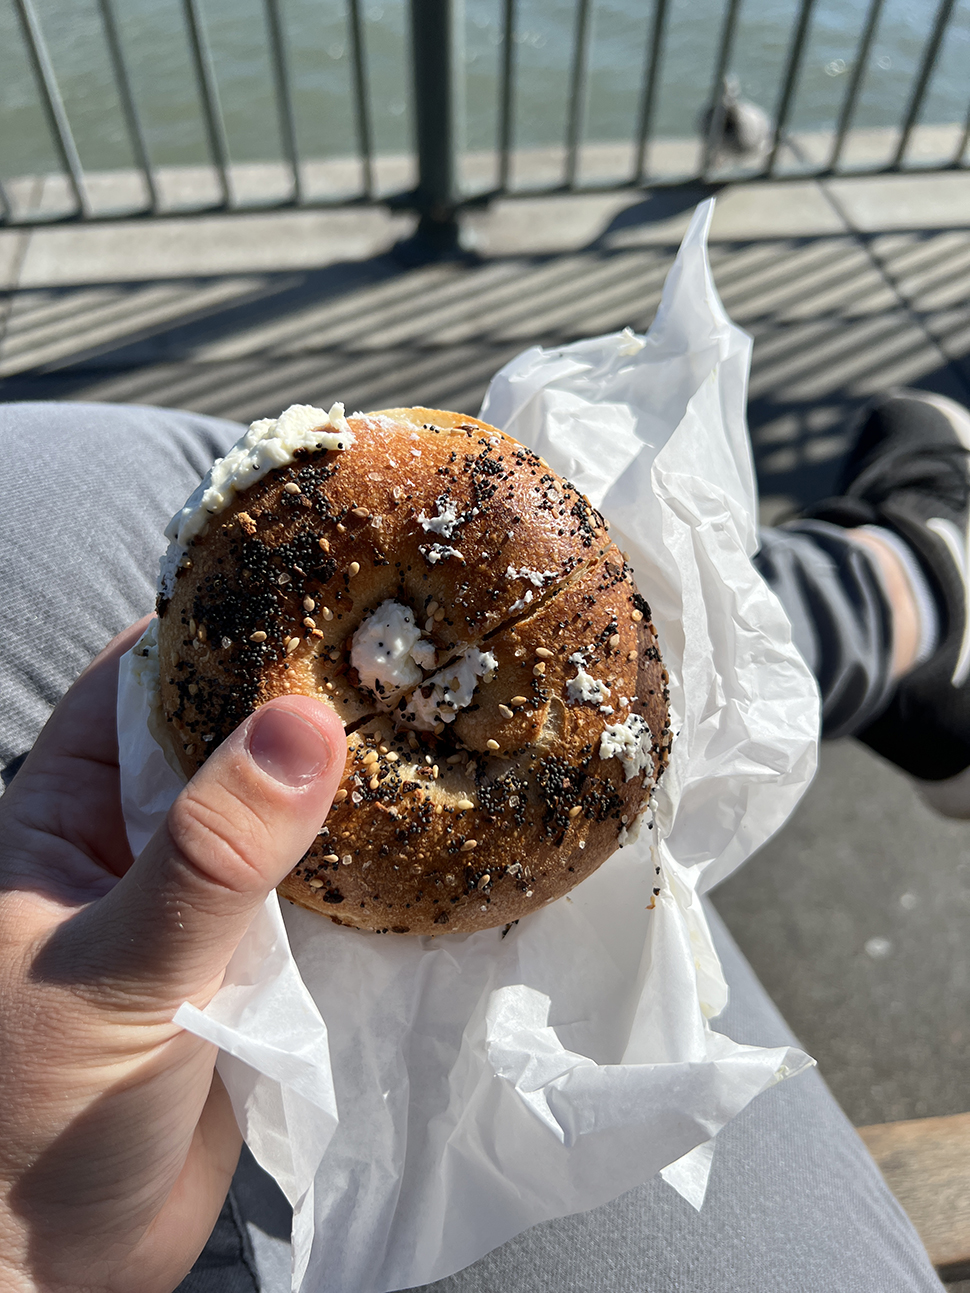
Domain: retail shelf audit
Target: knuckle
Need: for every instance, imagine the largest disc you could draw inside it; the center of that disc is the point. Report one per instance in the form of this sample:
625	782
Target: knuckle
221	842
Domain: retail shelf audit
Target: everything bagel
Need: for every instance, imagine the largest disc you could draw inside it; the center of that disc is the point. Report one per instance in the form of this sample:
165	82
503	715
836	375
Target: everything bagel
464	611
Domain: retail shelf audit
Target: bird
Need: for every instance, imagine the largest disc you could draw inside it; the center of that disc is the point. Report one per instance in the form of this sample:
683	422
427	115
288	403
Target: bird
734	128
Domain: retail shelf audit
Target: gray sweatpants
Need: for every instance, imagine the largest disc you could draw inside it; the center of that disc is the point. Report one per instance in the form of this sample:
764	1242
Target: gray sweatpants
794	1202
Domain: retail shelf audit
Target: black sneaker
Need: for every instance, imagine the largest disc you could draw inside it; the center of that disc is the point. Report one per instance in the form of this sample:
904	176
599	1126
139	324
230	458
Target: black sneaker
909	471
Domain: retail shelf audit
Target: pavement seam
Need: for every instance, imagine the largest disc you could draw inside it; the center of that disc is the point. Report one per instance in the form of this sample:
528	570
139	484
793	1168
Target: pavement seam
864	240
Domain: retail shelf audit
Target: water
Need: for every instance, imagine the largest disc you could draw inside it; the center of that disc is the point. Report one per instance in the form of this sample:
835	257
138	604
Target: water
153	34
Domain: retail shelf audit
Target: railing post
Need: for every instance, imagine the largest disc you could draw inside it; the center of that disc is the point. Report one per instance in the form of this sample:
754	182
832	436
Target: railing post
432	59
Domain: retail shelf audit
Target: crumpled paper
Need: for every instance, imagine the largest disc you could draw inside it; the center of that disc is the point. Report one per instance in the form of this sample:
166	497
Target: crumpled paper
423	1100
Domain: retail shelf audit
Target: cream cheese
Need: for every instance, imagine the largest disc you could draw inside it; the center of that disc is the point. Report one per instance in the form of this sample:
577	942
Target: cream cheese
631	742
445	523
387	651
424	654
269	443
436	552
452	689
535	577
584	689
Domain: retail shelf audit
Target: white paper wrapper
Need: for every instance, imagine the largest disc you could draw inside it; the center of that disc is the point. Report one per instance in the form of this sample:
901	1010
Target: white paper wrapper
465	1087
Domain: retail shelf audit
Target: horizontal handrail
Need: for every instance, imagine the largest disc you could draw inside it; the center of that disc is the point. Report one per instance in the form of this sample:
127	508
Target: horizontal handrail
727	144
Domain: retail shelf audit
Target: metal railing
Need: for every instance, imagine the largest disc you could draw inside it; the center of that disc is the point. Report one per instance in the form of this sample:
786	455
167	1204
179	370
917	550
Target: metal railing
438	197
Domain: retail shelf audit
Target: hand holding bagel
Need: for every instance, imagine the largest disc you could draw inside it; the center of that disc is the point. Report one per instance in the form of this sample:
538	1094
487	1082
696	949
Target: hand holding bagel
117	1142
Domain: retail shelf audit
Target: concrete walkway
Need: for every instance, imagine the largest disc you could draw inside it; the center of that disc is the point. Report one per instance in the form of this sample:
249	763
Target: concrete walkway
857	916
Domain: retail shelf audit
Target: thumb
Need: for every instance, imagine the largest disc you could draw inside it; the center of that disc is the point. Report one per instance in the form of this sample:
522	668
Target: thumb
166	931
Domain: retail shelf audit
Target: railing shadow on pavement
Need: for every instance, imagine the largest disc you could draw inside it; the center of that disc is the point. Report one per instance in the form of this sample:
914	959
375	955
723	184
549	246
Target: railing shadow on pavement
830	325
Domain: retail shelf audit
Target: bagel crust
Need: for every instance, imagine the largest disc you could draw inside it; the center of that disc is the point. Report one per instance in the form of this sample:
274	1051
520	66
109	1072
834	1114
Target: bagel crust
501	761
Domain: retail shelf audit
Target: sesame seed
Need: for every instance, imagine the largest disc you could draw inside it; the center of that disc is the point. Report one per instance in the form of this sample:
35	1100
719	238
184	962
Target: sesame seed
193	628
429	624
519	700
435	772
258	636
326	613
432	607
492	745
544	653
392	757
453	758
203	633
439	614
316	884
309	604
631	655
291	645
538	669
340	796
330	857
328	685
615	641
464	804
353	569
341	529
309	623
636	616
347	859
374	782
485	881
469	845
575	810
292	487
438	728
316	633
412	741
370	757
324	545
505	711
382	749
360	511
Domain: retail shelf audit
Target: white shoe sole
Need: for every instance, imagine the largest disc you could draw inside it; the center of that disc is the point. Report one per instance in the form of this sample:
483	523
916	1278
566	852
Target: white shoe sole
957	416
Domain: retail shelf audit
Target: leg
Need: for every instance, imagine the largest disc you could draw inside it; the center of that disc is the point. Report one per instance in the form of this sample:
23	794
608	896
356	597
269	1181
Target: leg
794	1202
86	492
841	619
876	582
